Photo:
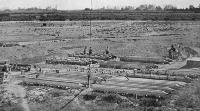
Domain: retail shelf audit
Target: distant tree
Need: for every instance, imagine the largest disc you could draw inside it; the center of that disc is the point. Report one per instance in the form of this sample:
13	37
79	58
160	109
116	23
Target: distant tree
103	8
48	8
115	8
126	8
142	7
191	7
7	10
146	7
129	8
158	8
151	7
170	7
87	9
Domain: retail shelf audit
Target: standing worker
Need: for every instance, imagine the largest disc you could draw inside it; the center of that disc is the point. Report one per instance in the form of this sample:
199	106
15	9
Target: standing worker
90	51
89	76
107	51
84	51
126	75
172	52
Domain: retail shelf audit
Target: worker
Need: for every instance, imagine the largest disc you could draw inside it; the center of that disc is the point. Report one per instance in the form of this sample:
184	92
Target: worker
172	48
90	51
84	51
135	72
29	68
5	68
172	52
107	51
126	75
40	70
89	77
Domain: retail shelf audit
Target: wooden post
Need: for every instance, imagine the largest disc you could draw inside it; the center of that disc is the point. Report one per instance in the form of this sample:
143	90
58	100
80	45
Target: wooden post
136	96
167	74
89	76
135	72
150	73
44	73
22	72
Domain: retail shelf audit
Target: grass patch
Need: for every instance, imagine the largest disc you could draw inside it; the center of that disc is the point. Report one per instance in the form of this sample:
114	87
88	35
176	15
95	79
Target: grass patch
189	97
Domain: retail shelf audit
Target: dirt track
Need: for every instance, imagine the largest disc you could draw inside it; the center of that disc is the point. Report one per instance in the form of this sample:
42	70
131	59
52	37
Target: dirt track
20	93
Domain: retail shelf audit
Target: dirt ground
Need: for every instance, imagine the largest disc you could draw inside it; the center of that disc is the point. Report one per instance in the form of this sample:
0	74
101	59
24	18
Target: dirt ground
124	38
36	41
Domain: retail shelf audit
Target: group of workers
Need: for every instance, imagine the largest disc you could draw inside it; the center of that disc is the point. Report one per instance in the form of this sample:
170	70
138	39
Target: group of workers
90	51
174	53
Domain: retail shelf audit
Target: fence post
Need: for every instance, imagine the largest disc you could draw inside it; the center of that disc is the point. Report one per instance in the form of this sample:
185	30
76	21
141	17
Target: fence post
136	96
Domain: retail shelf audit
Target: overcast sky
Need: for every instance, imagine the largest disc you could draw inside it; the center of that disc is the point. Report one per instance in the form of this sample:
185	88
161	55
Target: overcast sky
81	4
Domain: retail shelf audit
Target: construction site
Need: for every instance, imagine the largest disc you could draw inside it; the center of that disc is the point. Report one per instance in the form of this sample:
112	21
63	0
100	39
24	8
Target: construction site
99	65
63	66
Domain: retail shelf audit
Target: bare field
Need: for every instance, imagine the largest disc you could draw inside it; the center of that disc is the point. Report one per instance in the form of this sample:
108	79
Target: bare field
124	38
32	42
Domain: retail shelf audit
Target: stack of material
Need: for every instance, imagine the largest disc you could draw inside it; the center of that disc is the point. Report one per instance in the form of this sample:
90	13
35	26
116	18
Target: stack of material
95	56
144	59
71	61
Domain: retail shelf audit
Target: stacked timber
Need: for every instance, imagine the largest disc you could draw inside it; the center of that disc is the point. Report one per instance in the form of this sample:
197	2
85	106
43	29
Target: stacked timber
144	60
94	56
71	61
19	67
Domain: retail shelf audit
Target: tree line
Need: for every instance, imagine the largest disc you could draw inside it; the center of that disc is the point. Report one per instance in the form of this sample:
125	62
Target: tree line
150	7
143	7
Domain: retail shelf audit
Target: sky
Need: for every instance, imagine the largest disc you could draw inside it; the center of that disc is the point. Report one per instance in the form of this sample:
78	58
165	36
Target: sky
81	4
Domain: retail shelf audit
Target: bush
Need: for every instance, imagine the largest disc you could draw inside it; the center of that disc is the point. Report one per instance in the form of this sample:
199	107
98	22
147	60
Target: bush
112	99
149	102
56	94
89	97
17	108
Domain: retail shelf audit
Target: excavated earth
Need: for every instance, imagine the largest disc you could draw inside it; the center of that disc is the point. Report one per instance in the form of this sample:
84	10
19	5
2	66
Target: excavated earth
31	43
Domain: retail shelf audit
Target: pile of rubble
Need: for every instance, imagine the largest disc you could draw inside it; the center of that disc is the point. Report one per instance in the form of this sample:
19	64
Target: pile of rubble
44	94
37	95
7	98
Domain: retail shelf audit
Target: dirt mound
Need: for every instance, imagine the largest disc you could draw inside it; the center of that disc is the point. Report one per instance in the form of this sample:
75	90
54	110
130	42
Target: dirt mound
188	51
192	63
